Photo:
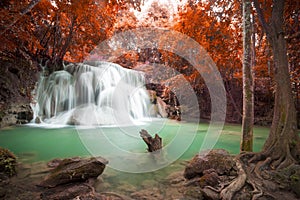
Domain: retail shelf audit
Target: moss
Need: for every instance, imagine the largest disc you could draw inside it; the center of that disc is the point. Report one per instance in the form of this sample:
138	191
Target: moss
293	143
7	162
295	178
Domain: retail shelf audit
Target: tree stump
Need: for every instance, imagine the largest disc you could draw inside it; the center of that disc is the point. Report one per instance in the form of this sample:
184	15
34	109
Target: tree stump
154	144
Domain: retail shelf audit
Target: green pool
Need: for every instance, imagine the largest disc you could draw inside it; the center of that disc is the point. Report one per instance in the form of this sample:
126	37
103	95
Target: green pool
32	143
35	145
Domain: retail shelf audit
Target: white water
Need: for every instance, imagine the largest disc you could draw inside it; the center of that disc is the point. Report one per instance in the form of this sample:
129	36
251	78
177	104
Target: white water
98	93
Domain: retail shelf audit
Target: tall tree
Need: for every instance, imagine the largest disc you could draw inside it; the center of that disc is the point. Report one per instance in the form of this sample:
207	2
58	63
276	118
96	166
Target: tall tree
282	147
248	100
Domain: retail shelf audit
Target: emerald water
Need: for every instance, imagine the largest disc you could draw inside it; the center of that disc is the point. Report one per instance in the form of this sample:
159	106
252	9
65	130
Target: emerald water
36	145
32	144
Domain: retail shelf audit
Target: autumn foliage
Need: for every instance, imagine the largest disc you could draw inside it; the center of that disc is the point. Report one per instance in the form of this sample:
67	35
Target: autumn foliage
46	33
49	32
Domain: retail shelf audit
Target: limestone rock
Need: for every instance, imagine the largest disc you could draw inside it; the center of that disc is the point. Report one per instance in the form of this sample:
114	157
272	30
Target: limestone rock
68	191
218	159
16	114
74	170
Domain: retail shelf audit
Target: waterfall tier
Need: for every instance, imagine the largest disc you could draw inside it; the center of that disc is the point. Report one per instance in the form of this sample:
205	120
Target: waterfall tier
95	93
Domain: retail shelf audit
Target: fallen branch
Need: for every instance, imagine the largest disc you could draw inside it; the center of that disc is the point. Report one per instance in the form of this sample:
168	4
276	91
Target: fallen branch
154	144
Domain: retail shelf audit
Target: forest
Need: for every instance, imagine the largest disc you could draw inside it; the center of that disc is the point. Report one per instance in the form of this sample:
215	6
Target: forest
213	64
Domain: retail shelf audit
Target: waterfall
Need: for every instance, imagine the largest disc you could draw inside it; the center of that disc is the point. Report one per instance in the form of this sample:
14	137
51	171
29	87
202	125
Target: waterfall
94	93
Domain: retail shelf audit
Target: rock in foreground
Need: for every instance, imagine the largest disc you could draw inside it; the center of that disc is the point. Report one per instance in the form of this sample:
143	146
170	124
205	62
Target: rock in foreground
74	170
217	159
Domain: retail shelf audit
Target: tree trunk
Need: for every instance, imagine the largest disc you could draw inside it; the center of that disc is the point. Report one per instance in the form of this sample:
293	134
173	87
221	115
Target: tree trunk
248	100
283	143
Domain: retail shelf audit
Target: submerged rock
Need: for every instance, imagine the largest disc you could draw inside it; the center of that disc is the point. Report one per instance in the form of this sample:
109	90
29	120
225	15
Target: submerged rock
74	170
217	159
152	193
69	191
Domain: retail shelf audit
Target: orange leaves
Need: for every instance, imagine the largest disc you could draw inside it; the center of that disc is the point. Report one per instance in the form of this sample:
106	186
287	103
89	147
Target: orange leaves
213	27
50	29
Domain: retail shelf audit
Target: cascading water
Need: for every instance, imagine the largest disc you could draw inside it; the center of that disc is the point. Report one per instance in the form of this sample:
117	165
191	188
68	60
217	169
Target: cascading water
95	93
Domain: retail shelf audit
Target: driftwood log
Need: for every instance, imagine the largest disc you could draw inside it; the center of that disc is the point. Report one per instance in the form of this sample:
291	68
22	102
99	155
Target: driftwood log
154	144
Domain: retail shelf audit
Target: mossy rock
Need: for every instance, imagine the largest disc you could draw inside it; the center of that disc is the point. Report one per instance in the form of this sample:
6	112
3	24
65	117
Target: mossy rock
8	162
218	160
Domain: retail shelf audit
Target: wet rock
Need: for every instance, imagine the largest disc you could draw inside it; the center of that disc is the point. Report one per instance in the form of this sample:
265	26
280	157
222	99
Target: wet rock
69	191
164	101
55	162
74	170
193	193
37	120
148	194
175	178
149	183
126	187
218	159
210	178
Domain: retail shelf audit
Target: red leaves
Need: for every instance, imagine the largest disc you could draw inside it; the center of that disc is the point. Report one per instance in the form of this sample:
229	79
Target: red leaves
218	32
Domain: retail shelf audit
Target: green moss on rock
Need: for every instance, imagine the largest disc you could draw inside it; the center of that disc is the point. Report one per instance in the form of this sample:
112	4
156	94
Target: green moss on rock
7	162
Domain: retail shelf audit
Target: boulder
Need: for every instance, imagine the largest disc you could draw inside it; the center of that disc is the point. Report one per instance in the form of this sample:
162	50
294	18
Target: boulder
74	170
210	178
217	159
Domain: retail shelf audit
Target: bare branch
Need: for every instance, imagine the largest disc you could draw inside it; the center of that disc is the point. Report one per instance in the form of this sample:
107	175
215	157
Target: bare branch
261	18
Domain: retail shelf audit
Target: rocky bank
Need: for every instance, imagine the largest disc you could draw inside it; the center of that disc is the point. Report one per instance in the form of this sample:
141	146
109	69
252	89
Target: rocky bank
17	80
